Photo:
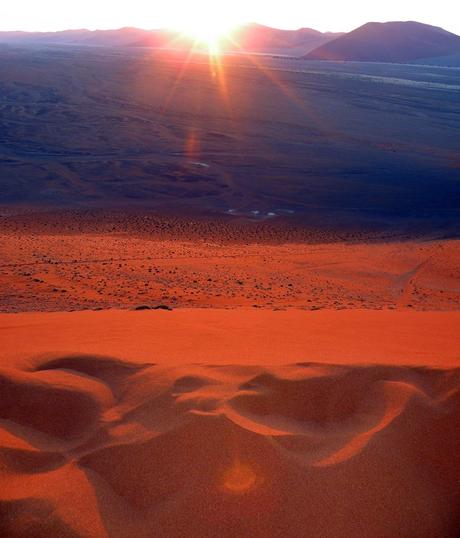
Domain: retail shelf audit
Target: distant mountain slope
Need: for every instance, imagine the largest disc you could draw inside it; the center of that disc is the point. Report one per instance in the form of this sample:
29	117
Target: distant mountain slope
111	38
249	38
257	38
398	42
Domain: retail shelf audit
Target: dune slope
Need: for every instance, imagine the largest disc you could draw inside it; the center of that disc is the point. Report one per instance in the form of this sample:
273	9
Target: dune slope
306	449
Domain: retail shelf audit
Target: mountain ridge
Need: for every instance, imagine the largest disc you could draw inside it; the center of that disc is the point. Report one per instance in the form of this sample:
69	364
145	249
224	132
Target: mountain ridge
395	41
249	38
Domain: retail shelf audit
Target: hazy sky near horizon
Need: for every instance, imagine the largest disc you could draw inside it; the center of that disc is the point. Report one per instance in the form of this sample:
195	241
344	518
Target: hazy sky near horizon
333	15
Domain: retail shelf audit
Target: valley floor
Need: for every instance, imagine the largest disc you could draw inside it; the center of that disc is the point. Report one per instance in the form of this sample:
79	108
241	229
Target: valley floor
90	263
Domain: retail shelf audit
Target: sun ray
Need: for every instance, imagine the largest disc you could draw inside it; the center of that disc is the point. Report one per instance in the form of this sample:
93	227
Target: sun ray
177	80
269	73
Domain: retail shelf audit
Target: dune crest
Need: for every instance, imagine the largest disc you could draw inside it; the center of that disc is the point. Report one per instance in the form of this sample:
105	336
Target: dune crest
121	449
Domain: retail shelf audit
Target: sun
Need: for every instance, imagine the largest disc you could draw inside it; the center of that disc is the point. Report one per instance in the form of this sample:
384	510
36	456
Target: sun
209	32
207	27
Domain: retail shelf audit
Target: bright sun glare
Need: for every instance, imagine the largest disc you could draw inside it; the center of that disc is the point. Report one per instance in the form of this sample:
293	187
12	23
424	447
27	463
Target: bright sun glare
206	31
207	27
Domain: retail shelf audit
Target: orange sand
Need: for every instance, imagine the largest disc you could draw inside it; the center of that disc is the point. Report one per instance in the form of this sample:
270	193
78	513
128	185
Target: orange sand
67	261
240	336
242	443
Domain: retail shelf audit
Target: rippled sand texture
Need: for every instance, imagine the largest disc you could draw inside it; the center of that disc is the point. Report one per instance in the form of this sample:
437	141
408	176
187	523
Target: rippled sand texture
95	446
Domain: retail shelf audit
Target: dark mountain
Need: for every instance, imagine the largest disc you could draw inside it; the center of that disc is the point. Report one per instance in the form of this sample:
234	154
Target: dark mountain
398	42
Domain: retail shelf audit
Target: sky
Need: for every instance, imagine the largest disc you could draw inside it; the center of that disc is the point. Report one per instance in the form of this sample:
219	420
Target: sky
330	15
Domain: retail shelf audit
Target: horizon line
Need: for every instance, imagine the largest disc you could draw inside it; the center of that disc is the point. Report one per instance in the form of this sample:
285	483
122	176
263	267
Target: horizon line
253	23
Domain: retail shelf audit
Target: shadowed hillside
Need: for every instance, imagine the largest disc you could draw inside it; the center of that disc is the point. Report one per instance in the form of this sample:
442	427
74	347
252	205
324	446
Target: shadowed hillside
398	42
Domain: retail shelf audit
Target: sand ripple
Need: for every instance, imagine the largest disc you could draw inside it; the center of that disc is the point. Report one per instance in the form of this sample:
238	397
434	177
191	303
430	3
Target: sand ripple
98	446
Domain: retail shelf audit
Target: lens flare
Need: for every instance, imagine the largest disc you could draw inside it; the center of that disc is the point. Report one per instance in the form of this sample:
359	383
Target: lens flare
239	479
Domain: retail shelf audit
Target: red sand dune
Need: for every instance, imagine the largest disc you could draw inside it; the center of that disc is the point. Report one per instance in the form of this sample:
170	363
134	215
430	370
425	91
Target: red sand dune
154	445
239	336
